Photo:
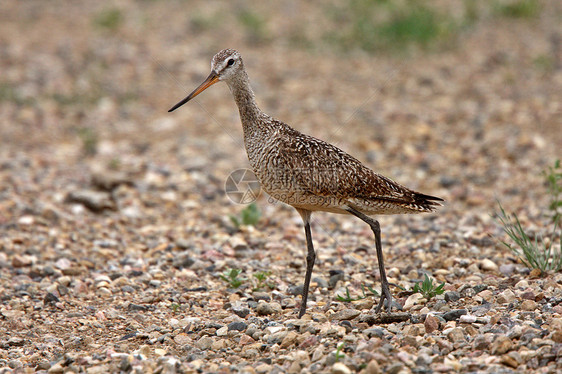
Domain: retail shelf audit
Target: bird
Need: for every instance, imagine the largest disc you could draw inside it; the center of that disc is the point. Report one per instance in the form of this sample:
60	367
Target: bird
310	174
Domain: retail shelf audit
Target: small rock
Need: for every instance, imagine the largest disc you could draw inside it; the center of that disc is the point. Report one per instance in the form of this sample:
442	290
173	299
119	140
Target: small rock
56	369
295	290
238	326
509	361
345	315
182	339
245	340
340	368
507	269
204	343
557	336
375	331
373	368
261	296
264	368
528	305
431	323
16	341
394	368
21	261
265	309
320	282
480	342
223	331
456	335
488	265
240	310
506	297
527	295
337	275
289	340
96	201
452	296
412	300
454	314
50	298
501	345
467	318
108	180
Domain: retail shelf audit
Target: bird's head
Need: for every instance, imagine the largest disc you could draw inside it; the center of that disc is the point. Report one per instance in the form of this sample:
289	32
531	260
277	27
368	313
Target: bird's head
224	67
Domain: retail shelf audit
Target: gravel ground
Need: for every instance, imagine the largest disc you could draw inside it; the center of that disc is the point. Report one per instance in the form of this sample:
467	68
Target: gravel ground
115	227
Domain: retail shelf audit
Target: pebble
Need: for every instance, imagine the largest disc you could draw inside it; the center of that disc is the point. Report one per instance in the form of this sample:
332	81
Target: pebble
454	314
289	340
488	265
501	345
373	368
507	269
204	343
96	201
237	326
240	310
456	334
528	305
265	309
412	300
345	315
452	296
21	261
431	323
340	368
467	318
506	297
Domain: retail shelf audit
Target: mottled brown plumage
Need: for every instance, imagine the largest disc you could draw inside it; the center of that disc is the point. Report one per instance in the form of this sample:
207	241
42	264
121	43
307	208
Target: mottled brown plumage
308	173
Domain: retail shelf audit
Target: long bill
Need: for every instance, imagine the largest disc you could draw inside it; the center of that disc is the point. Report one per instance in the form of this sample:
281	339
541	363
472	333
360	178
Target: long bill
211	79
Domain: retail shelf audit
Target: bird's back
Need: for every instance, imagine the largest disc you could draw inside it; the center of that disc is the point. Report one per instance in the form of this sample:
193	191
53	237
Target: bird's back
312	174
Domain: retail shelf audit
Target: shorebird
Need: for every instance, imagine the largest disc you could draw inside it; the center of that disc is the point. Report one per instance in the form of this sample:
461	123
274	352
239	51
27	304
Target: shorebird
308	173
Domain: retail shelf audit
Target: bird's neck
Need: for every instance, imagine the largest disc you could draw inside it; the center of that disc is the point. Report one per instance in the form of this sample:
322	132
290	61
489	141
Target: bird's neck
246	102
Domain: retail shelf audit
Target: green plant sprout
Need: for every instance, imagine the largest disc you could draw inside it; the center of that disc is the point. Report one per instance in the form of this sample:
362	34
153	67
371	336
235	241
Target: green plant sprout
347	298
538	252
249	216
534	253
428	289
231	277
339	355
261	277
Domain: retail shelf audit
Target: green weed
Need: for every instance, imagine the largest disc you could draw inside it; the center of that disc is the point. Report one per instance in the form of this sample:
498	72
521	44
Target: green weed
428	289
338	354
261	278
536	253
518	8
248	216
89	140
254	24
347	298
231	277
387	25
109	19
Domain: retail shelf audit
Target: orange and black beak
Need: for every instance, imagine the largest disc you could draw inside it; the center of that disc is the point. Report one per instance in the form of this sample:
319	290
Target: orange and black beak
211	79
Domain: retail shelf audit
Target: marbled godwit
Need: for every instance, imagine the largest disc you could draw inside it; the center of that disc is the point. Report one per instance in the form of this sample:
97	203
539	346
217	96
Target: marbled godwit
310	174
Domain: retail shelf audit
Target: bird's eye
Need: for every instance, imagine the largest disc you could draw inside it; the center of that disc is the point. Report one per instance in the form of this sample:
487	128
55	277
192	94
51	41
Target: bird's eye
230	62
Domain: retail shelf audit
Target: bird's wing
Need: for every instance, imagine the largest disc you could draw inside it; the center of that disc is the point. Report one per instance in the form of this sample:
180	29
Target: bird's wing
322	169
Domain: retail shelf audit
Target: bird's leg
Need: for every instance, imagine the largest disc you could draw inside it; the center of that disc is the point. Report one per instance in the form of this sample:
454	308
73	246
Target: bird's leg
310	258
375	226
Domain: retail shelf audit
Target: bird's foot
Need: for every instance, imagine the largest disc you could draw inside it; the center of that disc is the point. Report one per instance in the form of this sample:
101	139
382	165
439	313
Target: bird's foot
385	295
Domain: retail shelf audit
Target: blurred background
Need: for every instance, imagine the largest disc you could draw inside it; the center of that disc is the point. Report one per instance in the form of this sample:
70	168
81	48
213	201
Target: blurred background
459	99
110	204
